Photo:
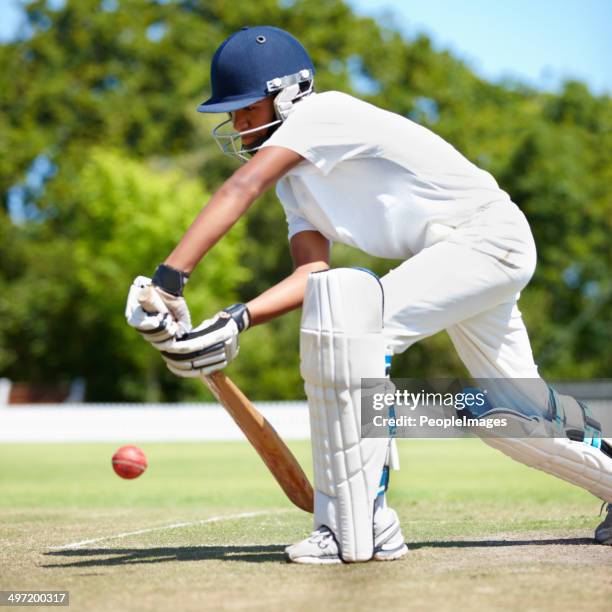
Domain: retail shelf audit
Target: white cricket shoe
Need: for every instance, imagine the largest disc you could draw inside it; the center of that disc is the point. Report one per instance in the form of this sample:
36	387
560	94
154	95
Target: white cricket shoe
321	547
603	532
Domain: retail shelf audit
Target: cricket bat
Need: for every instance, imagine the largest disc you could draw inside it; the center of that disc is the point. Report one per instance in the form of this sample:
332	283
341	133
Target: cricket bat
258	431
264	438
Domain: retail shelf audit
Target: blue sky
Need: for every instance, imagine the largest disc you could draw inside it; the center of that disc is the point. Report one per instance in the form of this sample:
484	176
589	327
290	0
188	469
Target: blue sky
540	42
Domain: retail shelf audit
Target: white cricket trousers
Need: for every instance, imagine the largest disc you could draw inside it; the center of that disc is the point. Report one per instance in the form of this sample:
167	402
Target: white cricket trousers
468	284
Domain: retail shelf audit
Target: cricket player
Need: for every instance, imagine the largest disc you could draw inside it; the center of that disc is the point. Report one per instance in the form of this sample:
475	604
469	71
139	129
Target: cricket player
346	171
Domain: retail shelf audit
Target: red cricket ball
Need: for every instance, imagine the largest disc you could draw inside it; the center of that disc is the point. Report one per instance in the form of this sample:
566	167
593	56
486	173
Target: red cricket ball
129	462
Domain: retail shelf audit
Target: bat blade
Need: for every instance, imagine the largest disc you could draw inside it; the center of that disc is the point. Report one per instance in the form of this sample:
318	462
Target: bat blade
259	432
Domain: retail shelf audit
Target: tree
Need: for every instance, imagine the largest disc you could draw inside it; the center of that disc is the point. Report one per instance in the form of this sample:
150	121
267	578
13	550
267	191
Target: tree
560	175
69	278
98	100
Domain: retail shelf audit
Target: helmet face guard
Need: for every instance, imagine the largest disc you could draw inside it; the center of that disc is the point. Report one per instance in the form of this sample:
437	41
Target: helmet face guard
230	141
288	90
250	65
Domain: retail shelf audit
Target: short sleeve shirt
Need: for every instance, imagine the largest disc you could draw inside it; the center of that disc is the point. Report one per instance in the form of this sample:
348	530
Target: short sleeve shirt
373	179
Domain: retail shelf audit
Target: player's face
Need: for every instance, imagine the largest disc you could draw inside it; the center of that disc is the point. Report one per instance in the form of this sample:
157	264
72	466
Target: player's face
251	117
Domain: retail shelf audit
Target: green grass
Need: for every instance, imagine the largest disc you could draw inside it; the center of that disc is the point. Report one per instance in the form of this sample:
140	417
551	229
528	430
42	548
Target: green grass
482	530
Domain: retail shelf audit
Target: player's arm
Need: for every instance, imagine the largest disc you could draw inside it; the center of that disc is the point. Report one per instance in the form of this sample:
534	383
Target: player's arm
310	253
214	343
229	203
226	206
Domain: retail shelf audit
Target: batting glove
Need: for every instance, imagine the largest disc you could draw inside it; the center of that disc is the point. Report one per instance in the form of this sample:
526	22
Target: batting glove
164	316
210	346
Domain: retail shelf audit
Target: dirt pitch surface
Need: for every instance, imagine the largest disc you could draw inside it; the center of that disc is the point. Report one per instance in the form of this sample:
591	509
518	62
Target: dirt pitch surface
204	529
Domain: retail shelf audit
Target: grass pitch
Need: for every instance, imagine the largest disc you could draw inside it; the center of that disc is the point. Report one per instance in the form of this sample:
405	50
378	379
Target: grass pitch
204	529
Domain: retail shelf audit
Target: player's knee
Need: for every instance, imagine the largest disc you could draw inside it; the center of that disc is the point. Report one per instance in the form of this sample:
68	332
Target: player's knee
343	299
342	324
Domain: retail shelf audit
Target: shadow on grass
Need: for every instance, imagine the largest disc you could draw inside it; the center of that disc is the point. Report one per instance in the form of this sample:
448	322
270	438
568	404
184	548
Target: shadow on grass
494	543
100	557
104	557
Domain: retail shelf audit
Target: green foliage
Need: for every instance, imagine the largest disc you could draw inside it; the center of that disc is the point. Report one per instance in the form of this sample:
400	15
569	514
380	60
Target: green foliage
68	287
106	92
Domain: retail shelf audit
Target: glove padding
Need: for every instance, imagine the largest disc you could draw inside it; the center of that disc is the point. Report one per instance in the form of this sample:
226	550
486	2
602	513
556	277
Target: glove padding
165	318
209	347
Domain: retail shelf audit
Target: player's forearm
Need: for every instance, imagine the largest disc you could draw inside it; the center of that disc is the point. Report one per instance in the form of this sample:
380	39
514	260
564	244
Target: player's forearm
284	296
226	206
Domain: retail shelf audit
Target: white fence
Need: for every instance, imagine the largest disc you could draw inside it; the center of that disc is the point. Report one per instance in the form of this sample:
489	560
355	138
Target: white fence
141	422
83	422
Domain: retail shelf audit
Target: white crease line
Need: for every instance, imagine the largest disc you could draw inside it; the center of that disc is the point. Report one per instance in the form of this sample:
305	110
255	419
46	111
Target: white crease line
212	519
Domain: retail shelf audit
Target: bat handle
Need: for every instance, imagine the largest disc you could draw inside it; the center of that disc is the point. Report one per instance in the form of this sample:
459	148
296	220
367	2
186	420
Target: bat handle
151	301
212	382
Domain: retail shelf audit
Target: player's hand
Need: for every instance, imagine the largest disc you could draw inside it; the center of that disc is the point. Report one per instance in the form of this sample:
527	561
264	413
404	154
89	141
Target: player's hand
160	317
210	346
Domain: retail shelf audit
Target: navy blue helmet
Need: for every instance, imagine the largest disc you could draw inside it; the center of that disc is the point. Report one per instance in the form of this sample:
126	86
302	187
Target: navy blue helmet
252	64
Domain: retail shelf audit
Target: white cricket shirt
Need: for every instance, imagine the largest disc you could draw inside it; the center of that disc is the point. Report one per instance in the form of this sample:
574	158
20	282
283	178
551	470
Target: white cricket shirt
373	179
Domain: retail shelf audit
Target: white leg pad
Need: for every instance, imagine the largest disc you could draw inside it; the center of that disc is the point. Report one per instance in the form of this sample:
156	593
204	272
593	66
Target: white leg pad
576	462
341	342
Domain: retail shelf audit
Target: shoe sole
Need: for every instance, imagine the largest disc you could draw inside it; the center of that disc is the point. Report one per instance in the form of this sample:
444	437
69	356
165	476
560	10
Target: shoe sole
314	560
